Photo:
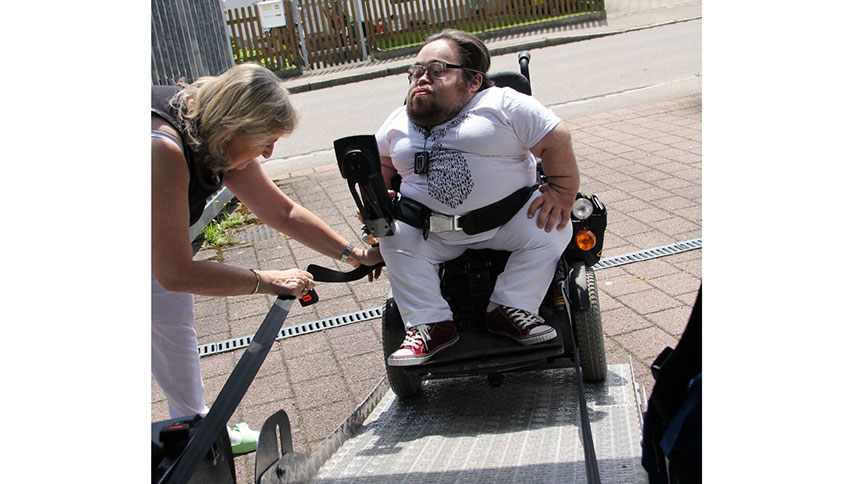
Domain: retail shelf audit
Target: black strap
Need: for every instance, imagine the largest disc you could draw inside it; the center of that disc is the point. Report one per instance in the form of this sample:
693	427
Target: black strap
412	213
322	274
592	473
496	214
483	219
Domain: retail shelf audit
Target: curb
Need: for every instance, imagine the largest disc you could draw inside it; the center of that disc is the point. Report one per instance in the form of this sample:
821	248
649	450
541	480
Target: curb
508	49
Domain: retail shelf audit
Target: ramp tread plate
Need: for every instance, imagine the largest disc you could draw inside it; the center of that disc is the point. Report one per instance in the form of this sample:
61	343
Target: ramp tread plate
462	430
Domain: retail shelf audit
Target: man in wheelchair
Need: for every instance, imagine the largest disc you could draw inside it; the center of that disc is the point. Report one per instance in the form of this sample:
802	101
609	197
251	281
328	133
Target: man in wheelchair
465	155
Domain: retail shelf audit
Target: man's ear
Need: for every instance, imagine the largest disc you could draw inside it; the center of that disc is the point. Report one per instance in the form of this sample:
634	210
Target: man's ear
476	82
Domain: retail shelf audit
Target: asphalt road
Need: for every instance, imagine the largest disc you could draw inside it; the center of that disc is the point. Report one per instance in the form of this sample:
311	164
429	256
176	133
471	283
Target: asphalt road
573	79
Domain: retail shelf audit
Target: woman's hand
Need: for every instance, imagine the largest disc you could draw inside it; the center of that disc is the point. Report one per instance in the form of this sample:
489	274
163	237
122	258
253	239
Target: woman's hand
293	282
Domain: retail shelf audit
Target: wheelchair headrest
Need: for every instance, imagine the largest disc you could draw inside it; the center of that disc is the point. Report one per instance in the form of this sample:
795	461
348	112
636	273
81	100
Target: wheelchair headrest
512	79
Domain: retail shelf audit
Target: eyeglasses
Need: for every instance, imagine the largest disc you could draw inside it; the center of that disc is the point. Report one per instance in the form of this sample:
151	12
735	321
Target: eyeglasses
434	70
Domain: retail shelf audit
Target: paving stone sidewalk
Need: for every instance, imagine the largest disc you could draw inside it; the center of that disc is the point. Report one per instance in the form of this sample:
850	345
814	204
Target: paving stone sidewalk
645	164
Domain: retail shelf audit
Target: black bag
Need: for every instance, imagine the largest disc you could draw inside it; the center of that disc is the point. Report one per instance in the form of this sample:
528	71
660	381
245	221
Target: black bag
672	433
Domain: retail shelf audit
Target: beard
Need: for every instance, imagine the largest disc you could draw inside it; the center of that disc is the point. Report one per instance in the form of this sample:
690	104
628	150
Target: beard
428	111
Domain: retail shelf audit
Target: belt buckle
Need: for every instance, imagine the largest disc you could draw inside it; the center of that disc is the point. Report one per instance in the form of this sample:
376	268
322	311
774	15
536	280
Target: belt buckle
444	223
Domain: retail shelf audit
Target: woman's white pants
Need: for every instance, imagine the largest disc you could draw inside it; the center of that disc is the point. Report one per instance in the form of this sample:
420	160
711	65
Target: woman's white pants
175	361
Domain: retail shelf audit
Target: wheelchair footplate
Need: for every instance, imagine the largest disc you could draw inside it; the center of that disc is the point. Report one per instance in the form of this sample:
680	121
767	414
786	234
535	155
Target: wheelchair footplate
466	283
481	352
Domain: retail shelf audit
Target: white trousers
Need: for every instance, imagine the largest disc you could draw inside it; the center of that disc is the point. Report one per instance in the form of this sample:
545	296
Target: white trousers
412	264
175	361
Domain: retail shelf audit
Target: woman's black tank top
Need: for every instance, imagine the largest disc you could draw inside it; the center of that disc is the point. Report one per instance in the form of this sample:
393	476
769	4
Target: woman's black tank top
203	182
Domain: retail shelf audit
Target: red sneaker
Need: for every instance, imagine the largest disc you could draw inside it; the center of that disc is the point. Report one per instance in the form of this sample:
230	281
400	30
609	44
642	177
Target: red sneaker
521	326
424	341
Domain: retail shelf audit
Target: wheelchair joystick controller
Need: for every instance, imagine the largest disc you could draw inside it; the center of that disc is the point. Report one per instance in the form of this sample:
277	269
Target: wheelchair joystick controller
358	160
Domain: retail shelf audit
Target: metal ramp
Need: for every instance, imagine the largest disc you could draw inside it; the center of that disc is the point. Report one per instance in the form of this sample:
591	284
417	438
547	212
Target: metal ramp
527	430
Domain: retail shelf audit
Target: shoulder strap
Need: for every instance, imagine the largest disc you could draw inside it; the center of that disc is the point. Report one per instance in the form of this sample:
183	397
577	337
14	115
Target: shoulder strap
165	136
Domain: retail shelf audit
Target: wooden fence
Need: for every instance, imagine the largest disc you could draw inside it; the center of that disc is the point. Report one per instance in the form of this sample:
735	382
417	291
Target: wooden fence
323	33
397	23
276	48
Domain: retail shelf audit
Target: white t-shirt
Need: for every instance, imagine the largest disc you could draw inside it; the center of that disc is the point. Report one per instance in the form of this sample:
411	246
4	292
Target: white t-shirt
477	158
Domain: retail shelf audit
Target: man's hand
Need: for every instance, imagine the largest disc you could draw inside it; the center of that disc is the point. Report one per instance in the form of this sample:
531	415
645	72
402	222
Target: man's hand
552	207
556	200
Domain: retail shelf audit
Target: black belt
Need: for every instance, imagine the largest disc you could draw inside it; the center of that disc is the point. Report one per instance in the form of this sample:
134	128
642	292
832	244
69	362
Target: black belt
322	274
486	218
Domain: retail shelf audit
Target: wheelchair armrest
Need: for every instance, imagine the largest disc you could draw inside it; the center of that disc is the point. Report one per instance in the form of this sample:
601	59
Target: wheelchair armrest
358	160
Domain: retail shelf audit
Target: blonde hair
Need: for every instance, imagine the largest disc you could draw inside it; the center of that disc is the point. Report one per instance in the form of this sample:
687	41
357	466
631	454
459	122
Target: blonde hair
247	100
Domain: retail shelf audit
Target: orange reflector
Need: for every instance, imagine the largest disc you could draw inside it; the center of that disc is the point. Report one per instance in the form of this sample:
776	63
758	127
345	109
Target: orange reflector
585	239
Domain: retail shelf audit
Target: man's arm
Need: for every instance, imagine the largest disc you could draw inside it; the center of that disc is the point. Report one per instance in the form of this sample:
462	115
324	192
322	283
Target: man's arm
388	170
559	164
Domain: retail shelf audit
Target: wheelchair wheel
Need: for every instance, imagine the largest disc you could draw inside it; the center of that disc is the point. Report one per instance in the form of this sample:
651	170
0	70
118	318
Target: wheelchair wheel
403	384
588	330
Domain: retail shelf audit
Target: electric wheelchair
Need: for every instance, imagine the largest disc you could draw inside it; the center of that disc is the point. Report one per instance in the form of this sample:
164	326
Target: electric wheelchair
570	306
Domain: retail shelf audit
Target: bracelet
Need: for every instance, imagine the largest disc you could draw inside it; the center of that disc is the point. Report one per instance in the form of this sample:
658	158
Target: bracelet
347	252
256	275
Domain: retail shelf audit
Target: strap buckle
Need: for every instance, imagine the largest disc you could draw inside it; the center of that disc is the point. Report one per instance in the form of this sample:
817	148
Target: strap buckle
444	223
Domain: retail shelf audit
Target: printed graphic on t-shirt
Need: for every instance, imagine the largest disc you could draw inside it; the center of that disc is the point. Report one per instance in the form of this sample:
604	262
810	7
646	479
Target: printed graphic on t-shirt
449	180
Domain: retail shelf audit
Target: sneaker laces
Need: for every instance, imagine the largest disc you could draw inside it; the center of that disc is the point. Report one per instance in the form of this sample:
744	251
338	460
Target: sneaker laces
524	319
417	335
